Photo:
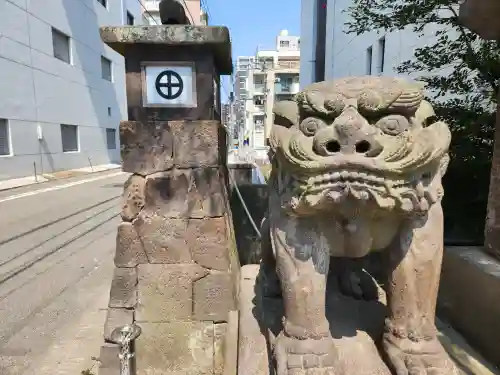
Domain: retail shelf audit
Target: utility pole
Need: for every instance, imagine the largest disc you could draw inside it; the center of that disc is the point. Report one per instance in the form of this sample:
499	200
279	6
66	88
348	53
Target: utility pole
231	121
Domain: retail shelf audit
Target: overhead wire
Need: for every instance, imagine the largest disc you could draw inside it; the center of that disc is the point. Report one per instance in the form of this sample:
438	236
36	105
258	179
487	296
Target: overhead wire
204	4
147	11
186	7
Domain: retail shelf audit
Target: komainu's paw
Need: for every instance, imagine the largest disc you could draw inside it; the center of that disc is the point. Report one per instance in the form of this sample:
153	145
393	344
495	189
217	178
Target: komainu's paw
412	356
306	357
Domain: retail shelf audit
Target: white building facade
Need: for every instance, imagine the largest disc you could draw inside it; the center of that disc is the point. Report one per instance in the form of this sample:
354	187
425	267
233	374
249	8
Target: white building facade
260	81
331	53
63	90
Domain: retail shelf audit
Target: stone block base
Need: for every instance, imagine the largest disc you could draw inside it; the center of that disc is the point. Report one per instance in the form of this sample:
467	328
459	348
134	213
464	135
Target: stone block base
109	361
174	348
469	297
356	324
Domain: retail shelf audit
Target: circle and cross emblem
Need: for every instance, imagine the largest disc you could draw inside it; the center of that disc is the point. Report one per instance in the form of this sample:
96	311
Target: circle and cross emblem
172	88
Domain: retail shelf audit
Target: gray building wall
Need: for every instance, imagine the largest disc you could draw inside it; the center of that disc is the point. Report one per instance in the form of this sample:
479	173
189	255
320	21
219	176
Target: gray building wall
346	55
308	40
41	90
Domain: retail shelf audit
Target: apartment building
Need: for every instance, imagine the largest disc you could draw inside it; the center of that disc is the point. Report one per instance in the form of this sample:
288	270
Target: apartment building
151	12
63	90
225	114
330	53
260	81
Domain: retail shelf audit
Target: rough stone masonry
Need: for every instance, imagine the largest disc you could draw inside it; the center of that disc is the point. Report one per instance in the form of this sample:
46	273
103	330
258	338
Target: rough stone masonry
176	265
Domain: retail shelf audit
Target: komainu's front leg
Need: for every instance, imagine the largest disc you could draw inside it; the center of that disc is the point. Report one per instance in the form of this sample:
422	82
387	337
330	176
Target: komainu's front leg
302	260
410	340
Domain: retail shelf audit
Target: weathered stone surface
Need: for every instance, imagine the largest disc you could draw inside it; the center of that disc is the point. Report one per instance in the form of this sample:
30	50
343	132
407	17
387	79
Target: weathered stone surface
117	317
345	190
175	348
146	148
357	323
185	193
165	292
164	239
214	297
481	17
109	361
133	197
196	143
129	248
470	288
208	242
230	349
212	38
219	347
123	291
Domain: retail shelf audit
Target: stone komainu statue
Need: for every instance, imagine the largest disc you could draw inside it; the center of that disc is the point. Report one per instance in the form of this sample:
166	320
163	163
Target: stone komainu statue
172	13
357	165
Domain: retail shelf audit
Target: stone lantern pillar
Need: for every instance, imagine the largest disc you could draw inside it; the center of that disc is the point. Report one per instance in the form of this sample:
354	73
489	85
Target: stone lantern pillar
175	263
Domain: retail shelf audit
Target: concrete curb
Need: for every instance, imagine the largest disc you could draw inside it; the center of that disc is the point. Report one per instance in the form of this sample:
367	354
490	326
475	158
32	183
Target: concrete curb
52	179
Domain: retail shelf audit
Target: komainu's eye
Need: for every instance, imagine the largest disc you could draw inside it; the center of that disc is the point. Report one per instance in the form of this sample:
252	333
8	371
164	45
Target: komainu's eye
311	125
393	124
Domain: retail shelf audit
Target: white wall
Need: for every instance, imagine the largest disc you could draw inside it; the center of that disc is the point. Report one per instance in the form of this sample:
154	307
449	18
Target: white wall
38	89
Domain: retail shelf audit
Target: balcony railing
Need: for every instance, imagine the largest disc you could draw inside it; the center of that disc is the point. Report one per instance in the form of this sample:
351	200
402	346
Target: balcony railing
259	108
288	65
291	88
151	5
259	87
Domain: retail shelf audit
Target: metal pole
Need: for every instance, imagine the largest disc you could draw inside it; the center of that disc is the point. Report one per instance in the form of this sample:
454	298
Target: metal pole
123	336
90	162
34	167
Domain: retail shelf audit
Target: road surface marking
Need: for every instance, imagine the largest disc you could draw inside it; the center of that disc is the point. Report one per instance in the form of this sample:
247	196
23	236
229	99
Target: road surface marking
59	187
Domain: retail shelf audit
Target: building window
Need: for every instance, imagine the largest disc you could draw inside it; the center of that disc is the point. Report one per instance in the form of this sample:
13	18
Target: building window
111	139
284	43
69	137
104	3
381	54
61	45
106	70
369	58
109	111
258	100
4	138
130	18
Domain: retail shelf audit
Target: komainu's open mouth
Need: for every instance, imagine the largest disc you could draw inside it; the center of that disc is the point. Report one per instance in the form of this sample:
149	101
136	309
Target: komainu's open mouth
354	178
315	139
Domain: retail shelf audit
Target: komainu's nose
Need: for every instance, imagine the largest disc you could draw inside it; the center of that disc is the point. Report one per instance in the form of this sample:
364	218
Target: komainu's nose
350	133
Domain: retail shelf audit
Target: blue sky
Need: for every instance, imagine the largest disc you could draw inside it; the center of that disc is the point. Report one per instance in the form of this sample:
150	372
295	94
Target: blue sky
253	23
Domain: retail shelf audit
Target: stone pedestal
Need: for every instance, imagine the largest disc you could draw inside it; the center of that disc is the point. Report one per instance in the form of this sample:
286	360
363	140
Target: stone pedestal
176	263
356	327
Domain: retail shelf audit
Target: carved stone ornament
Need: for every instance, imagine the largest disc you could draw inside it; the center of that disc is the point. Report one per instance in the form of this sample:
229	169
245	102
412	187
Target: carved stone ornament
357	165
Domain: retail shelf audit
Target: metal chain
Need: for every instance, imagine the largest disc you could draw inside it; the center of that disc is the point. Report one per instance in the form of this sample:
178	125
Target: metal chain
123	336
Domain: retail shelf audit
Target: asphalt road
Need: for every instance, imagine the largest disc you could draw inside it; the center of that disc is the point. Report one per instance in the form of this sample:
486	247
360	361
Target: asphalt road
57	243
